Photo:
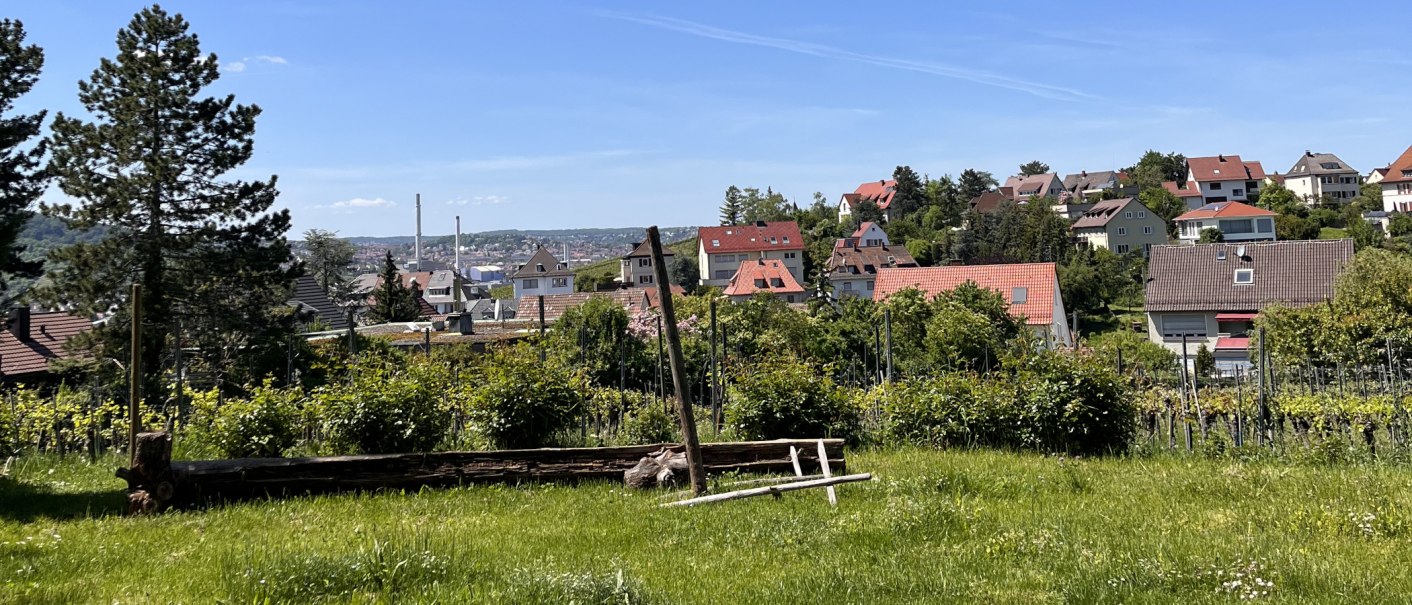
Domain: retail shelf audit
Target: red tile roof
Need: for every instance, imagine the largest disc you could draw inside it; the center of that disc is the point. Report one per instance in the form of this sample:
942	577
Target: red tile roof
780	235
1224	210
863	228
1395	169
1224	168
880	192
1039	279
48	332
653	296
763	275
1178	190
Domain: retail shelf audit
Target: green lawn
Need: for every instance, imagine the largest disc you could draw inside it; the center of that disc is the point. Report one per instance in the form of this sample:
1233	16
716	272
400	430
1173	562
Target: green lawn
935	527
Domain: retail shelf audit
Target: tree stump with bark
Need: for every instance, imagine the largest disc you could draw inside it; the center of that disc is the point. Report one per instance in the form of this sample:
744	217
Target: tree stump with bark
661	469
149	482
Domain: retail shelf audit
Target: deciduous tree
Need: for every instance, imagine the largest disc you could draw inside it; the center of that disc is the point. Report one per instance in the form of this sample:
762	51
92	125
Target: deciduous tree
327	258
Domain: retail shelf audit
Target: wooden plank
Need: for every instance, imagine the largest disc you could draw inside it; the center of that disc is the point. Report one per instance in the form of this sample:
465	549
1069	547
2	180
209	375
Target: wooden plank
824	464
771	490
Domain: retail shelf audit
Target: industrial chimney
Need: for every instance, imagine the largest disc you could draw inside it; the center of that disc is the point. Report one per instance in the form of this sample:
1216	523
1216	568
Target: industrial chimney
417	244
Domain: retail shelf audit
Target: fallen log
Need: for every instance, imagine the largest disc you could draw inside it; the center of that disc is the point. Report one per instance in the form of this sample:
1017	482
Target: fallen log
203	481
771	490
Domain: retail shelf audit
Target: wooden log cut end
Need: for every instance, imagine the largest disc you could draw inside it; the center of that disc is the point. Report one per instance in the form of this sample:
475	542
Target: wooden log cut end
150	482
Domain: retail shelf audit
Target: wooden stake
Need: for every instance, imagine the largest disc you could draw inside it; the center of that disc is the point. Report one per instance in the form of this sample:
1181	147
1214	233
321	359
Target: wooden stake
772	489
134	404
824	466
669	321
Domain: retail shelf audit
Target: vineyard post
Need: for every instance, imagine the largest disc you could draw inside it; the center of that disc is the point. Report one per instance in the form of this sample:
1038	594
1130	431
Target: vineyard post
661	381
1261	401
1240	409
715	367
695	469
887	323
540	344
1186	402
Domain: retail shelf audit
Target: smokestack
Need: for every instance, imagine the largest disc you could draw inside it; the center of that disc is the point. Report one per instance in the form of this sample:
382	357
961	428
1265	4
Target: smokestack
456	267
566	255
417	253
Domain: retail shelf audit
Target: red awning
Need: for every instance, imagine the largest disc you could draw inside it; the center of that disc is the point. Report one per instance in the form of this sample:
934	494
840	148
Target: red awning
1232	342
1236	316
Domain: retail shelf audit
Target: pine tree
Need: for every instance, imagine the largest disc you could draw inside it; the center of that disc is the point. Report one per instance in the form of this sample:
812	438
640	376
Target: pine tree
1033	168
327	258
908	194
733	209
207	252
393	301
21	179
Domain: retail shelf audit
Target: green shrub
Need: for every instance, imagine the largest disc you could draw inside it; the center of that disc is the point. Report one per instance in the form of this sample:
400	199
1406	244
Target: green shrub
784	398
383	411
264	426
950	410
520	402
649	424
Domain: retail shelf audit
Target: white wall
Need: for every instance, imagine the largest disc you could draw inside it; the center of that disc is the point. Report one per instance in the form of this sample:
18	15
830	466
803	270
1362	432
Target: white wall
543	286
1397	197
710	264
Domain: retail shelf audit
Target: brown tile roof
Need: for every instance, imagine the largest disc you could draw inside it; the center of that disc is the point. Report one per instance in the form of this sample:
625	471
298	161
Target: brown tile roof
880	192
988	202
48	332
1224	168
1035	184
1224	210
1102	212
1180	190
654	297
1398	166
1039	279
762	275
779	235
542	264
852	261
633	299
644	249
1294	273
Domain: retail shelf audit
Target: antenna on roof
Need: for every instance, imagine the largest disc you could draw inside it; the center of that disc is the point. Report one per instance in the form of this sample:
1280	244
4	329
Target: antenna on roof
1240	251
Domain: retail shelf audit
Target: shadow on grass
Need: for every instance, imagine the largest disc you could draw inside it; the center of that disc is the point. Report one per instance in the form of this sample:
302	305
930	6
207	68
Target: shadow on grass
26	502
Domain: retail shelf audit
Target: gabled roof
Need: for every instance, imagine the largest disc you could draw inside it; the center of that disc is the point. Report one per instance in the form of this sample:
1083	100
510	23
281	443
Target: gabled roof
542	264
779	235
1224	210
863	228
1195	278
48	332
856	262
988	202
643	249
1085	181
1035	184
654	296
307	292
632	299
880	192
762	275
1104	211
1039	281
1318	164
1395	170
1223	168
1182	192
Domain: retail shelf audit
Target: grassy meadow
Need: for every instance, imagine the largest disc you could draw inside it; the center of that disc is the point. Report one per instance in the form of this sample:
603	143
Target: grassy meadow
936	526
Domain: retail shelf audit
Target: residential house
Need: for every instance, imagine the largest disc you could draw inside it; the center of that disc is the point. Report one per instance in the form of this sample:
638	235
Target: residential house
867	235
1211	293
486	273
722	249
31	342
1376	176
1190	196
764	275
1317	175
879	193
1237	222
638	270
1397	184
1030	289
310	296
543	274
1023	188
853	267
1085	183
440	292
1123	225
1224	178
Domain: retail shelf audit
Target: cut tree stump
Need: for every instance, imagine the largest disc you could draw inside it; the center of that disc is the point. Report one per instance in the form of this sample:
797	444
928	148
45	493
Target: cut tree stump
150	482
662	469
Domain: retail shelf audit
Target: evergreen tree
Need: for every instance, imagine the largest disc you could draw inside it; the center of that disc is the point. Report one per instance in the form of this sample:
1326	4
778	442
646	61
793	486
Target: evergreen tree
908	194
393	301
327	258
975	182
1154	167
21	179
733	209
1033	168
147	169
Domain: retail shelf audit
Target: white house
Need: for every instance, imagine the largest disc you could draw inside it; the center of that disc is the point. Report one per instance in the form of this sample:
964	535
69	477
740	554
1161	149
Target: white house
1224	178
542	274
877	192
1397	184
722	249
637	268
1237	222
1030	289
1316	175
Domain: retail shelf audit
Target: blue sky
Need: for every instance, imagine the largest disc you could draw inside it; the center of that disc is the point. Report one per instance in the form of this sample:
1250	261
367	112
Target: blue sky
538	115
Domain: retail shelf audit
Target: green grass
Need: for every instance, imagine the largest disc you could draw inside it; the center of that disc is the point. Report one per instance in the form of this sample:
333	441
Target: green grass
1332	233
953	526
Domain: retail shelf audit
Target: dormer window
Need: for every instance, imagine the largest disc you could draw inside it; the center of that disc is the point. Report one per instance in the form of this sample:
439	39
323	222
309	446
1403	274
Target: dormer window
539	267
786	239
776	282
759	283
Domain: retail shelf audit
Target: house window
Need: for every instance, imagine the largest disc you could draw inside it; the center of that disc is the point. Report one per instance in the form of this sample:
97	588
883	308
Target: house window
1122	230
1215	186
848	285
759	283
1265	225
1176	325
1019	295
1127	215
1237	192
1147	230
1404	188
715	243
1123	249
870	285
1237	226
539	267
789	298
786	239
531	284
789	255
776	282
1252	185
644	262
724	273
1142	214
560	282
1244	276
644	279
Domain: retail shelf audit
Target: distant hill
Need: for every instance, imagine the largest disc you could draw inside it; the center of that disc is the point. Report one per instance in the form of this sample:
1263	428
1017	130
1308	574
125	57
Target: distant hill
509	235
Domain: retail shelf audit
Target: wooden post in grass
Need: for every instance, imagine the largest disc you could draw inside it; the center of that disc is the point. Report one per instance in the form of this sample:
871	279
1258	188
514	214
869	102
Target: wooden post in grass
887	324
134	403
695	469
1260	401
1186	409
541	329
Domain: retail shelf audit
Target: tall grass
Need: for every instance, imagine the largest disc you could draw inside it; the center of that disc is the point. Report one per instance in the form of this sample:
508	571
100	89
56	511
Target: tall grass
937	526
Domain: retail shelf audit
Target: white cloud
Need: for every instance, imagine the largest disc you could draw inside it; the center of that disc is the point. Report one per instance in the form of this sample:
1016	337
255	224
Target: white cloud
241	65
359	202
479	200
1038	89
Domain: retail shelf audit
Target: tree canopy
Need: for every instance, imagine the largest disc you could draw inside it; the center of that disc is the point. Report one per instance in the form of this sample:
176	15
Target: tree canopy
22	178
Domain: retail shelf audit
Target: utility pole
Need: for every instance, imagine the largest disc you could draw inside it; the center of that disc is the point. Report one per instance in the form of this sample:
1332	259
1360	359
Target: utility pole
695	468
887	322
